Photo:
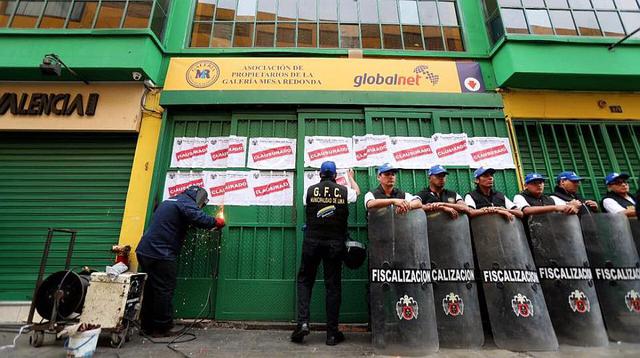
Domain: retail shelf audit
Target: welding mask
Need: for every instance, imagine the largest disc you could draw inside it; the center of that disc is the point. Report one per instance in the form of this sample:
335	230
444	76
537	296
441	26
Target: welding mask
201	198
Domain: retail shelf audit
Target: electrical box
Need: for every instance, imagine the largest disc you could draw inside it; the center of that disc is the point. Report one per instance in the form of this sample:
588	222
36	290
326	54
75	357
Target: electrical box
110	301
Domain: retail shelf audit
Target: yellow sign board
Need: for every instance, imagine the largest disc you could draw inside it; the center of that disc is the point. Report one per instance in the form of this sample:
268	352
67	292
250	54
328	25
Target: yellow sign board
311	74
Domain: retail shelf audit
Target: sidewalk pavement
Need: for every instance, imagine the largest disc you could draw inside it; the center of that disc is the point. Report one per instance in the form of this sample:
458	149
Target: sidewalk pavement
232	341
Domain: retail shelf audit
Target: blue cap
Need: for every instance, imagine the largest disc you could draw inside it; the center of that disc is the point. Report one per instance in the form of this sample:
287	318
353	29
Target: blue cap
568	176
478	173
611	177
437	169
386	167
328	167
533	177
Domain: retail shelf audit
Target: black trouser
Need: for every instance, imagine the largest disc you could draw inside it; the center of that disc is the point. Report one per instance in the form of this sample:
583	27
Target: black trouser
157	305
331	253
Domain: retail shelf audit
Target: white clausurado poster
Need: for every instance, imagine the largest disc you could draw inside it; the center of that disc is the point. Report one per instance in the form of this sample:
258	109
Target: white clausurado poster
318	149
312	177
451	149
214	183
490	152
237	188
188	152
272	188
411	152
225	152
371	150
272	153
177	182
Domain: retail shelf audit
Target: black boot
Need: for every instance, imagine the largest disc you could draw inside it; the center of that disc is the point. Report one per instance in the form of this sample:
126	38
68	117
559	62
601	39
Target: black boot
298	334
334	338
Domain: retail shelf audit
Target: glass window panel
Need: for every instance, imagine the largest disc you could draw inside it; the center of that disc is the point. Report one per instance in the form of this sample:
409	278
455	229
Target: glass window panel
368	11
627	4
610	23
243	35
226	10
307	34
428	13
453	38
265	34
328	11
514	21
348	11
138	14
507	3
110	15
27	14
370	36
631	21
286	34
267	10
587	23
539	22
86	11
563	22
222	32
6	8
391	38
307	10
158	21
409	13
533	4
204	10
580	4
412	37
448	16
201	34
287	11
246	10
388	12
349	36
328	35
490	6
54	15
433	38
557	4
603	4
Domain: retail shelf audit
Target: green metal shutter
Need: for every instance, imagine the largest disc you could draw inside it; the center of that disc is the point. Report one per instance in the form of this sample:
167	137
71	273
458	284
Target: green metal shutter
71	181
590	148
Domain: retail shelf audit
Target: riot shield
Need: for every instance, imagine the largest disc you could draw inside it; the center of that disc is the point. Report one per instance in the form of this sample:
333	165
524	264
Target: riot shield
566	279
616	271
455	289
401	296
517	310
635	231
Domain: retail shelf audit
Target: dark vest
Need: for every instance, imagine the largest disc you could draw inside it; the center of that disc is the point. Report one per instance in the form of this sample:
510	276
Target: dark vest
566	196
544	200
620	200
428	196
327	211
495	198
395	193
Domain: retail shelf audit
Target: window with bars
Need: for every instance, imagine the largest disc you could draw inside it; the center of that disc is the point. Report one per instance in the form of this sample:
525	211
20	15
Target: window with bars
85	14
432	25
600	18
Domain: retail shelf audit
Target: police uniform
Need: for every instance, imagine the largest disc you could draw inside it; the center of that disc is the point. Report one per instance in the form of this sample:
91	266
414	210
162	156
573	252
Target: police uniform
379	193
327	212
524	199
614	203
447	196
477	200
562	197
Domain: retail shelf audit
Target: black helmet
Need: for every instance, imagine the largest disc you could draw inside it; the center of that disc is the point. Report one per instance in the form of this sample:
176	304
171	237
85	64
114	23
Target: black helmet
355	255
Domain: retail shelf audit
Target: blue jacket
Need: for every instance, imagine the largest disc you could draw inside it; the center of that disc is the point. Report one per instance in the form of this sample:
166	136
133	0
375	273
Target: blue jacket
165	235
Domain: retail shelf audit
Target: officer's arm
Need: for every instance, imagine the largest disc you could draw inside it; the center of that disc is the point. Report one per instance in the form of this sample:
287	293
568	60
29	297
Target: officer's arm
352	182
459	205
197	216
612	206
381	203
537	210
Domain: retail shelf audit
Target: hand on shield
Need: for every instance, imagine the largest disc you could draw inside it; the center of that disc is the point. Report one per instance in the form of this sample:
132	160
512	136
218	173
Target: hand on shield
451	211
402	206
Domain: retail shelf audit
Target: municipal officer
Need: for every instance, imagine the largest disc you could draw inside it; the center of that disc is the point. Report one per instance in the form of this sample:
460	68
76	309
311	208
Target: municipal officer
484	200
617	199
327	212
566	192
533	201
387	194
436	198
159	249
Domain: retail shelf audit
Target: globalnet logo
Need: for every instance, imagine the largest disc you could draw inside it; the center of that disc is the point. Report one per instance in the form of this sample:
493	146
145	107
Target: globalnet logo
379	79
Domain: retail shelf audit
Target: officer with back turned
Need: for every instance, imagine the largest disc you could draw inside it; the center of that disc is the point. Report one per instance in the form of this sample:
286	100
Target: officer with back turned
327	212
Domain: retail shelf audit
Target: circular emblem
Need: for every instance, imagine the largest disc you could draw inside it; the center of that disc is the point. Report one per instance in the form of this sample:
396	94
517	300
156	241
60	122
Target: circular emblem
472	84
203	74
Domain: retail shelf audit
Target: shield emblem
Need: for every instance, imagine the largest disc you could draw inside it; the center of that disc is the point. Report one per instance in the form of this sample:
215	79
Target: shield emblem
213	142
254	142
179	141
172	175
394	141
579	302
522	306
310	140
632	299
407	308
453	305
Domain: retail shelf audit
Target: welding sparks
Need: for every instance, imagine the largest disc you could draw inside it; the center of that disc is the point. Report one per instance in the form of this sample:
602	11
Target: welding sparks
220	213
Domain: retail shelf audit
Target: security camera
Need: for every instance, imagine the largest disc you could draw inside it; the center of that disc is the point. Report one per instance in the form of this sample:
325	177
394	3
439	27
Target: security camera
137	76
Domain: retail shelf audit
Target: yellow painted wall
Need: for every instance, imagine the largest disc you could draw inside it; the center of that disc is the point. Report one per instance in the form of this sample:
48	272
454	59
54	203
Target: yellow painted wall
135	209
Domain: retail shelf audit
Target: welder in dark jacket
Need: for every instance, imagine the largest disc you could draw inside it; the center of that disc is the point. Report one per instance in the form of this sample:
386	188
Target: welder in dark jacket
158	250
